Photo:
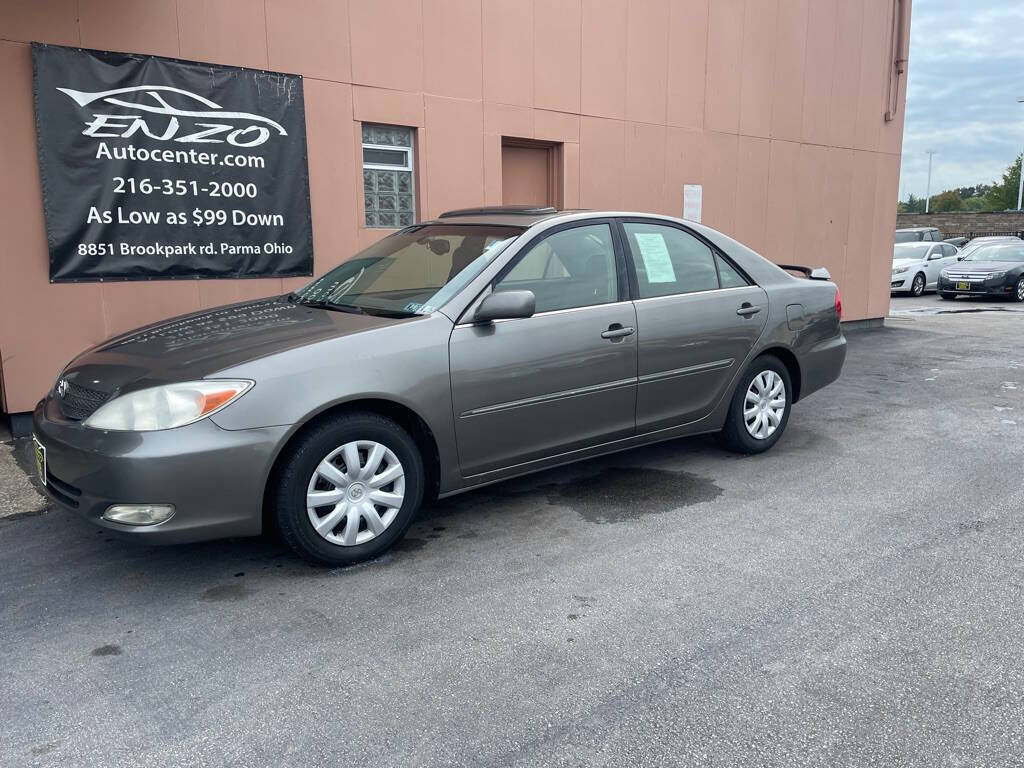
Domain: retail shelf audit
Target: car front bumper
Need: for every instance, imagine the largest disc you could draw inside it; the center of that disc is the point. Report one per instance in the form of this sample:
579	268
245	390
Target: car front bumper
214	477
901	283
996	286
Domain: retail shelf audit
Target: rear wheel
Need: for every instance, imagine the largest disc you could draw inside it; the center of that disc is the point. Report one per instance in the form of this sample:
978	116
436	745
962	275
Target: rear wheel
348	489
917	287
760	406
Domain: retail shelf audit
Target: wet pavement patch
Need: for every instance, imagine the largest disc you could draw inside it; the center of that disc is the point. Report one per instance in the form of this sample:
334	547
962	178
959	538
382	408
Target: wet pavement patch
409	545
106	650
616	494
226	592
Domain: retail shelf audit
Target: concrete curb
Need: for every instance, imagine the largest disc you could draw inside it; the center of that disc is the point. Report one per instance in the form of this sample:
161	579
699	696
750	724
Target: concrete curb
18	495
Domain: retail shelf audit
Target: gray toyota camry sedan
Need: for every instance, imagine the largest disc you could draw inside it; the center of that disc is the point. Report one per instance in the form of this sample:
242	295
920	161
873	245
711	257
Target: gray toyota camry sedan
483	345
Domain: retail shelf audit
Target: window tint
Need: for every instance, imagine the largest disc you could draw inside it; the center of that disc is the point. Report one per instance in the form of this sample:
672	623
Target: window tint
669	260
571	268
728	275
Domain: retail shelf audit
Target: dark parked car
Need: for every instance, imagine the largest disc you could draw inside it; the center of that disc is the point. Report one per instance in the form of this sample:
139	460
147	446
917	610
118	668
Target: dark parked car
454	353
917	234
991	269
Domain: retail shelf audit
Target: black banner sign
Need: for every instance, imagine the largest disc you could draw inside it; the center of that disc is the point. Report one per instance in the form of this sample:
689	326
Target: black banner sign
156	168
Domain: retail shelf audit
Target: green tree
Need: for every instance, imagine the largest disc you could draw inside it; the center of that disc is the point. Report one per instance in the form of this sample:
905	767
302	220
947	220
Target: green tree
1003	195
949	200
913	204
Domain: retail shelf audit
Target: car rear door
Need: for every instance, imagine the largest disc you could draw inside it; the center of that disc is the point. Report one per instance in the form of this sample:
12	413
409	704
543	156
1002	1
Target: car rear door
698	316
564	379
940	255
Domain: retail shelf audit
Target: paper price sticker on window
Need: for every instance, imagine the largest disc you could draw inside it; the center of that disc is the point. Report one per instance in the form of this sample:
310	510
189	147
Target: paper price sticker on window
657	262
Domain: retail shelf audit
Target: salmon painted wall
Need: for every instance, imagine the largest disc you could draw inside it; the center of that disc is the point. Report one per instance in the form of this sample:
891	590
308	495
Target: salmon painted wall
774	106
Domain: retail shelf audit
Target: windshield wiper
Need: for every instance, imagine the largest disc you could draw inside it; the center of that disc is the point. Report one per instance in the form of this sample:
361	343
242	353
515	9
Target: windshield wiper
380	312
330	305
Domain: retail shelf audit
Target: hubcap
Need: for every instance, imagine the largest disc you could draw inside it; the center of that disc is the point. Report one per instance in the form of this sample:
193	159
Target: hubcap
764	404
355	493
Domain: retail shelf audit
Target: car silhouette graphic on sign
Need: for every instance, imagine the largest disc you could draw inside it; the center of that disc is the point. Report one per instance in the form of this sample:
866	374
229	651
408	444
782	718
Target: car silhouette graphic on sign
240	129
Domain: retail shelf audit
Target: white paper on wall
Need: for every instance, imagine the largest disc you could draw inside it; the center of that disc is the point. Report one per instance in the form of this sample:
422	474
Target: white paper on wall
693	199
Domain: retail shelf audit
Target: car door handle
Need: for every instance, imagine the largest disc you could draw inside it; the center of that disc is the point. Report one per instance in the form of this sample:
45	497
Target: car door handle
747	310
616	331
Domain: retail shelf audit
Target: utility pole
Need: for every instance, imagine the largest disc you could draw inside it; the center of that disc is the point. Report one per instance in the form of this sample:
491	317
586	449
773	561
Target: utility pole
928	192
1020	184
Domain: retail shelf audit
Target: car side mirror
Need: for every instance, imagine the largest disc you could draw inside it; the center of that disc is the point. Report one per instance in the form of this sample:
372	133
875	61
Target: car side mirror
960	258
506	305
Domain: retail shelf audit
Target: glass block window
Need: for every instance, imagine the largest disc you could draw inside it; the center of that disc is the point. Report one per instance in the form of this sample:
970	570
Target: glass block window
388	192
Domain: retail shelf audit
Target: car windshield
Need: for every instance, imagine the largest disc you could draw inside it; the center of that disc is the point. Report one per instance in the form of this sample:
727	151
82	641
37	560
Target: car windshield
907	237
997	252
412	272
915	251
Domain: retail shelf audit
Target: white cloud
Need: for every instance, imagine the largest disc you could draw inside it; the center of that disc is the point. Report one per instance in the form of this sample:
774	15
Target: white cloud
965	76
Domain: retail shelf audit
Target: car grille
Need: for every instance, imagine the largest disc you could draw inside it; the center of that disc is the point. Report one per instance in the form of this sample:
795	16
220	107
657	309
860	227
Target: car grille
80	402
975	276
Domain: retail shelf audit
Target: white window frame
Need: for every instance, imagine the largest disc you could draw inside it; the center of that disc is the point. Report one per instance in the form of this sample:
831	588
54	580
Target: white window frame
387	167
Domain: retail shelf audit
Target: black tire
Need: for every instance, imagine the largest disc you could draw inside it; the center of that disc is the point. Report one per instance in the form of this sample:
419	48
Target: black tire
917	286
948	296
291	482
735	435
1018	293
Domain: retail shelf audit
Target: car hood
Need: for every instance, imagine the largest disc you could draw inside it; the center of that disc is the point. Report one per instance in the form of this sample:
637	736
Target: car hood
198	345
971	267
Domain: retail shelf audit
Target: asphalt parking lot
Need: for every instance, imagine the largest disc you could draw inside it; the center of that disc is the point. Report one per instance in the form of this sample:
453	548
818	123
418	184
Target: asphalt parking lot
853	597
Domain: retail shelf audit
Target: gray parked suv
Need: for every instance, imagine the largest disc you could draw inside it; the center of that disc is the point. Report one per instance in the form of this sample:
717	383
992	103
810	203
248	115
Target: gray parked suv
454	353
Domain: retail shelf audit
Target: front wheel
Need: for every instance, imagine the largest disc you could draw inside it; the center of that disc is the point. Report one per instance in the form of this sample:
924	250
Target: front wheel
348	489
1019	292
760	406
917	287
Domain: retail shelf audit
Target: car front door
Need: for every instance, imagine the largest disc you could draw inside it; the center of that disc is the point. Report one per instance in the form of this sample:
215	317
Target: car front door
564	379
698	316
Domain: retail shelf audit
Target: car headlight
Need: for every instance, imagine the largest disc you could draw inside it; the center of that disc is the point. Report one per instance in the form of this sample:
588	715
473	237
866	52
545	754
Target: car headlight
997	275
899	270
166	407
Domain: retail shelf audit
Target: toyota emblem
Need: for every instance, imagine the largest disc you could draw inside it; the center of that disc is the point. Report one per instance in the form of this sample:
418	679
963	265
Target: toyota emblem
62	387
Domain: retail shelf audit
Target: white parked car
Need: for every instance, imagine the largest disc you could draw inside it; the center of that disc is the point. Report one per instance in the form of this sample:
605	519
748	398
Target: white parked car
916	266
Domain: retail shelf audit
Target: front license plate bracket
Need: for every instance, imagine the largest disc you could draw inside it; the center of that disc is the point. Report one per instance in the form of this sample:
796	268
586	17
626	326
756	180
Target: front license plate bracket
40	453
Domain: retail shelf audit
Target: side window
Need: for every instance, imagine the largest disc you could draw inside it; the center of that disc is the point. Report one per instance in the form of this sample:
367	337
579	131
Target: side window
571	268
728	275
669	261
948	250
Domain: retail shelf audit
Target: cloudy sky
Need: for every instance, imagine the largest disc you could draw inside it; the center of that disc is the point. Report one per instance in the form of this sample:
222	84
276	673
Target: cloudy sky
966	73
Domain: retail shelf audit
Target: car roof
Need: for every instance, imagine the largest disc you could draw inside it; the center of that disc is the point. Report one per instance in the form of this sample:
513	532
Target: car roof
918	243
502	215
527	216
915	229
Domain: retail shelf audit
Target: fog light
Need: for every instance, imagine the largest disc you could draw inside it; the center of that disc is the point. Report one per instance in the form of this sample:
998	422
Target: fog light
139	514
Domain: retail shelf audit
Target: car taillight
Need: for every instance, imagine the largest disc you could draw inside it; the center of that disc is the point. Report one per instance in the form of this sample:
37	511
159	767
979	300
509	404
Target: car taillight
839	305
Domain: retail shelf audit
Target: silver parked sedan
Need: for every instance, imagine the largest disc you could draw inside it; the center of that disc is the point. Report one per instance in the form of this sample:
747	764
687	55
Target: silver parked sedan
454	353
